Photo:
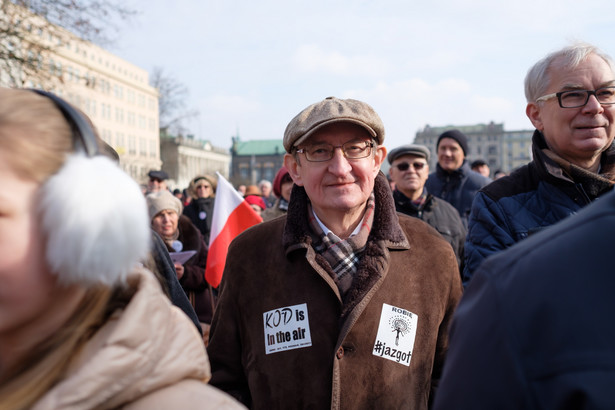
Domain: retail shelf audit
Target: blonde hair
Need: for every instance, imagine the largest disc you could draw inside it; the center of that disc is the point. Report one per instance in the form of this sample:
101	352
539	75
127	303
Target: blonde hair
193	183
44	366
35	139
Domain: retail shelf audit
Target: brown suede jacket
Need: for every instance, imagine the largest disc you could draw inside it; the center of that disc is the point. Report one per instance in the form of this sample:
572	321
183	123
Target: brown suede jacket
334	357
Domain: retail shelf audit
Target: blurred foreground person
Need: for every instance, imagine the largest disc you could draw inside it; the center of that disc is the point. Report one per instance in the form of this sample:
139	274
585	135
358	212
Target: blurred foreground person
535	327
344	303
81	324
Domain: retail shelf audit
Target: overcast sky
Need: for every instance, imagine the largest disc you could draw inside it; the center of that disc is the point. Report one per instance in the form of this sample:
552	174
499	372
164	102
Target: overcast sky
250	66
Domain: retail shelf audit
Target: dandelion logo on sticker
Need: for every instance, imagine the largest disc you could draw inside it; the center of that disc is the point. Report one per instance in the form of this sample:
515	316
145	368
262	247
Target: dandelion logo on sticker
396	334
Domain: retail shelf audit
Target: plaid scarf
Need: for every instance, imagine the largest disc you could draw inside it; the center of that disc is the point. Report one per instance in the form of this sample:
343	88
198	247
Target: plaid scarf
420	201
342	255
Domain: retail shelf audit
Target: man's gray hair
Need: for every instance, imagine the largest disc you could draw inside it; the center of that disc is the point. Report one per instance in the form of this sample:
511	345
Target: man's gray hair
537	78
265	182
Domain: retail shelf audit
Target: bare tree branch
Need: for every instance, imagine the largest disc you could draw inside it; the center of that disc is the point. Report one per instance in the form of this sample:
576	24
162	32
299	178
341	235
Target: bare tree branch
171	102
32	30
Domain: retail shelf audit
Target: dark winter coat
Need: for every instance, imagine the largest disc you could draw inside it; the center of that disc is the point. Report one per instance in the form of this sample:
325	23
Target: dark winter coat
200	212
272	266
440	215
458	188
273	212
164	266
535	327
193	281
533	197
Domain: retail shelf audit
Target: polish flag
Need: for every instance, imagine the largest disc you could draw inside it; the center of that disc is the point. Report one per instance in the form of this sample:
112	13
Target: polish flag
232	215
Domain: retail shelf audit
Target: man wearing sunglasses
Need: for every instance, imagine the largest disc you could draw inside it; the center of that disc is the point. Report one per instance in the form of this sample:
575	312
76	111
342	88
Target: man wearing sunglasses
409	170
344	303
571	101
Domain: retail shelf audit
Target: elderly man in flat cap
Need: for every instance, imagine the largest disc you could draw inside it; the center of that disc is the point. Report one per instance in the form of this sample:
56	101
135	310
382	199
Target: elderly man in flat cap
344	303
409	171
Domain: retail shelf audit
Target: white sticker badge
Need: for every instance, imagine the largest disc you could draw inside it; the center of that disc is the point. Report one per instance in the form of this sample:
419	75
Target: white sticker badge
287	328
396	333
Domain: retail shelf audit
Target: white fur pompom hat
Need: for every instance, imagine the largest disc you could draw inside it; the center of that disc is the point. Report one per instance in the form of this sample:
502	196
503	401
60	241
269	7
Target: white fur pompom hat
96	222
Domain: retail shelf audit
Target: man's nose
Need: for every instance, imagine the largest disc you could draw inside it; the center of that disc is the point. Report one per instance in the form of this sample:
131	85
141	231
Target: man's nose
593	105
339	163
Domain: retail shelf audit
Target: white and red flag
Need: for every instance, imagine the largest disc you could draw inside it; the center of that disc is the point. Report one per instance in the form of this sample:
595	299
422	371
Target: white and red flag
232	215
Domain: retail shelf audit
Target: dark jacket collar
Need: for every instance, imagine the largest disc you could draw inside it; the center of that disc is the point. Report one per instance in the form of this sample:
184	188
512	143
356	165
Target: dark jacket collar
560	171
459	172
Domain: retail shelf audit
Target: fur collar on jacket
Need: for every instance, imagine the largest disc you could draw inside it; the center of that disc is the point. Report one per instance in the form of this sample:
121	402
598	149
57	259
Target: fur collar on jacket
385	232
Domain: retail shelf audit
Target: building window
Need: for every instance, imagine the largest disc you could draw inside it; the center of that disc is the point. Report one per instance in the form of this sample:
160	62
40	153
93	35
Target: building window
143	147
153	149
132	145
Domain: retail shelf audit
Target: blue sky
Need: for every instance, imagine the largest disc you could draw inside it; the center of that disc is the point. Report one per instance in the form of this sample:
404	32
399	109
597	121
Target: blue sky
253	65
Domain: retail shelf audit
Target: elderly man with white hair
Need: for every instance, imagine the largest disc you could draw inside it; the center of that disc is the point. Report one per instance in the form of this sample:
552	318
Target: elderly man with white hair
571	102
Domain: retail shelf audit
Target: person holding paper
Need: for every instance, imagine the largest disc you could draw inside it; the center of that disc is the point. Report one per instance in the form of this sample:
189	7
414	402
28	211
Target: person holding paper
181	236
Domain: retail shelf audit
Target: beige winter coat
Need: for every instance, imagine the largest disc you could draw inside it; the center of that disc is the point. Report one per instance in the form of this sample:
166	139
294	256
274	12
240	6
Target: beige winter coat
147	356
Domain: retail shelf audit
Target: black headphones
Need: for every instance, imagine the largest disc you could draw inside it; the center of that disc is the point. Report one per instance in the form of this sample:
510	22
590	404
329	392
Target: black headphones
81	128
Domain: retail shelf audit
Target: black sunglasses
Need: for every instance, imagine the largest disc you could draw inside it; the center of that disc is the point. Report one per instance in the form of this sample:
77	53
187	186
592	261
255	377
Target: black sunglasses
404	166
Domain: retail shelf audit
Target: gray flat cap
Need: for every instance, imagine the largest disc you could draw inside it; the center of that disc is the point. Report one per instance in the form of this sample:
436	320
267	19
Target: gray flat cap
328	111
409	149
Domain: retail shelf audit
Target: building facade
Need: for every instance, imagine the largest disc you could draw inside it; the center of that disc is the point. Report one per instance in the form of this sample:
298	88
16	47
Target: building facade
183	158
114	93
255	160
500	149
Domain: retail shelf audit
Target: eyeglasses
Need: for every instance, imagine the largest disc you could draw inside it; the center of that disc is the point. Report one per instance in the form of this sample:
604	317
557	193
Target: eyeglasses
203	186
404	166
578	98
324	152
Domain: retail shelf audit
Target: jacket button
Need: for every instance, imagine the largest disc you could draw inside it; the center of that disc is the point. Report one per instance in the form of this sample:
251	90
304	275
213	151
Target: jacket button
340	353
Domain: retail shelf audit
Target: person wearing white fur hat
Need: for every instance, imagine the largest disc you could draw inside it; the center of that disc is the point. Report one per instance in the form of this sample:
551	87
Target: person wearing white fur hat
181	235
82	325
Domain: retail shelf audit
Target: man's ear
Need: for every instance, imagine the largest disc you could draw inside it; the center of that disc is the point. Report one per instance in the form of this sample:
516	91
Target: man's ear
533	112
291	163
379	156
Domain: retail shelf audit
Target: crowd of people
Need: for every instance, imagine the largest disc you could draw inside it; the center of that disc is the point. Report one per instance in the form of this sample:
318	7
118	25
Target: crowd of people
443	289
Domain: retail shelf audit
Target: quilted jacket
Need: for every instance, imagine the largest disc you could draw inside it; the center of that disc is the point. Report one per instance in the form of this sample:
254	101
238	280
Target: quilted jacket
533	197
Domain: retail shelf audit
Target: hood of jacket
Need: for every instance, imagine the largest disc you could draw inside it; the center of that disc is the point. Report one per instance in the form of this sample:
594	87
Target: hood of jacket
142	348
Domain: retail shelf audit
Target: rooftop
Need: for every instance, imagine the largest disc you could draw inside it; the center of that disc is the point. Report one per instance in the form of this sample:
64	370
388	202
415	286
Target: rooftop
259	147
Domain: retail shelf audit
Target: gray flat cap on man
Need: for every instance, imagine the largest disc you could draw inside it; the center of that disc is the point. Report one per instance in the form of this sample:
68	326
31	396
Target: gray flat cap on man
409	149
328	111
